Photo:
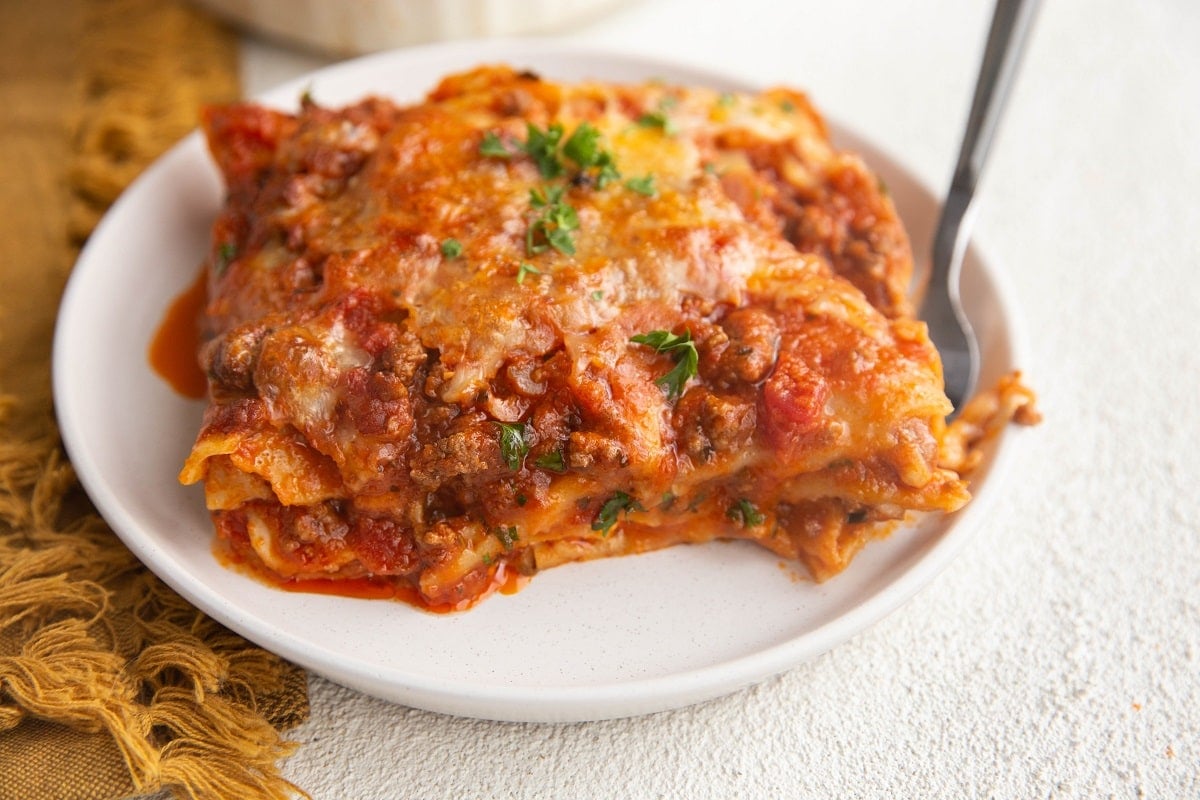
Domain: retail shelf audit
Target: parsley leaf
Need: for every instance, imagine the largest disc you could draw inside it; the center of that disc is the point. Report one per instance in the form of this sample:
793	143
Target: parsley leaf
452	248
553	227
507	534
584	145
658	119
613	506
547	196
682	349
608	173
542	147
526	269
746	514
561	240
225	255
513	445
552	461
584	149
492	146
643	186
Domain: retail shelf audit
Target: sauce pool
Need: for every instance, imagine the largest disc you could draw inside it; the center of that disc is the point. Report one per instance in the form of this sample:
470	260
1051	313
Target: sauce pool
503	580
176	342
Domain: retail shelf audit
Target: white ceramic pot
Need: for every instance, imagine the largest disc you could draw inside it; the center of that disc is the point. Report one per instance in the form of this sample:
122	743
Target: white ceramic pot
351	27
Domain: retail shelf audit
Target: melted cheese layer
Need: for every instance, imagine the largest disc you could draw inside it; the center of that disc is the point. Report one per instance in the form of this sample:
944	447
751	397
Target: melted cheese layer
422	368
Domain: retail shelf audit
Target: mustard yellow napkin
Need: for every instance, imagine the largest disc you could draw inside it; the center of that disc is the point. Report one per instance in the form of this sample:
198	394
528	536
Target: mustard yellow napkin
111	686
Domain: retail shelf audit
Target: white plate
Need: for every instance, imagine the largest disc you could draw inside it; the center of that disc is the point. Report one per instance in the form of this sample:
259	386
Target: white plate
590	641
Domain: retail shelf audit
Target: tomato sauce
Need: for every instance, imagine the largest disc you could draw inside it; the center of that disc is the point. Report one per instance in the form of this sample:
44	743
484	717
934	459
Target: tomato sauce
173	350
503	580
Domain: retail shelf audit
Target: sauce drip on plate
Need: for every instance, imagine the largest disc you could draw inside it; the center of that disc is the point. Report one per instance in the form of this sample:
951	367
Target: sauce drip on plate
173	350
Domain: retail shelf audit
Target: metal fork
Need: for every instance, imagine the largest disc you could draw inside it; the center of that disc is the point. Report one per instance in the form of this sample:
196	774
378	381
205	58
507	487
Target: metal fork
942	309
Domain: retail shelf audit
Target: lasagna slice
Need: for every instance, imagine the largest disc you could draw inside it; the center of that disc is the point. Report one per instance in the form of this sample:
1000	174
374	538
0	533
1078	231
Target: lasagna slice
524	323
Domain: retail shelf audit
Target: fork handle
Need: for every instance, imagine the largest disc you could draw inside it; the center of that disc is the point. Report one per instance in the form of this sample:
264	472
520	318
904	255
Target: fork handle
1011	23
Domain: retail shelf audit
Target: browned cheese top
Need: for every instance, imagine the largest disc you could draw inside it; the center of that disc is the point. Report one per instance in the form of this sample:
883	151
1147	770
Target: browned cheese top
525	322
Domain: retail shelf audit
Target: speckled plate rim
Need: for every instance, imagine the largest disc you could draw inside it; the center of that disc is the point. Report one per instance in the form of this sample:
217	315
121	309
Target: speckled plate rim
606	639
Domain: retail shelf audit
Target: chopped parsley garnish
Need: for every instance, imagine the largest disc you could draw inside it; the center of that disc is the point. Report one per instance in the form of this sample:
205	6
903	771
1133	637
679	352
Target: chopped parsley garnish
658	119
745	513
545	197
787	106
225	255
668	500
493	146
552	461
553	227
507	534
584	146
526	269
542	147
452	248
613	506
608	173
682	349
584	149
513	446
598	295
726	100
643	186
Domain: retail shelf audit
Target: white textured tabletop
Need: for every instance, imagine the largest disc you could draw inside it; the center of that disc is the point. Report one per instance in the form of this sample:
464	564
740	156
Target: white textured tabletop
1059	655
